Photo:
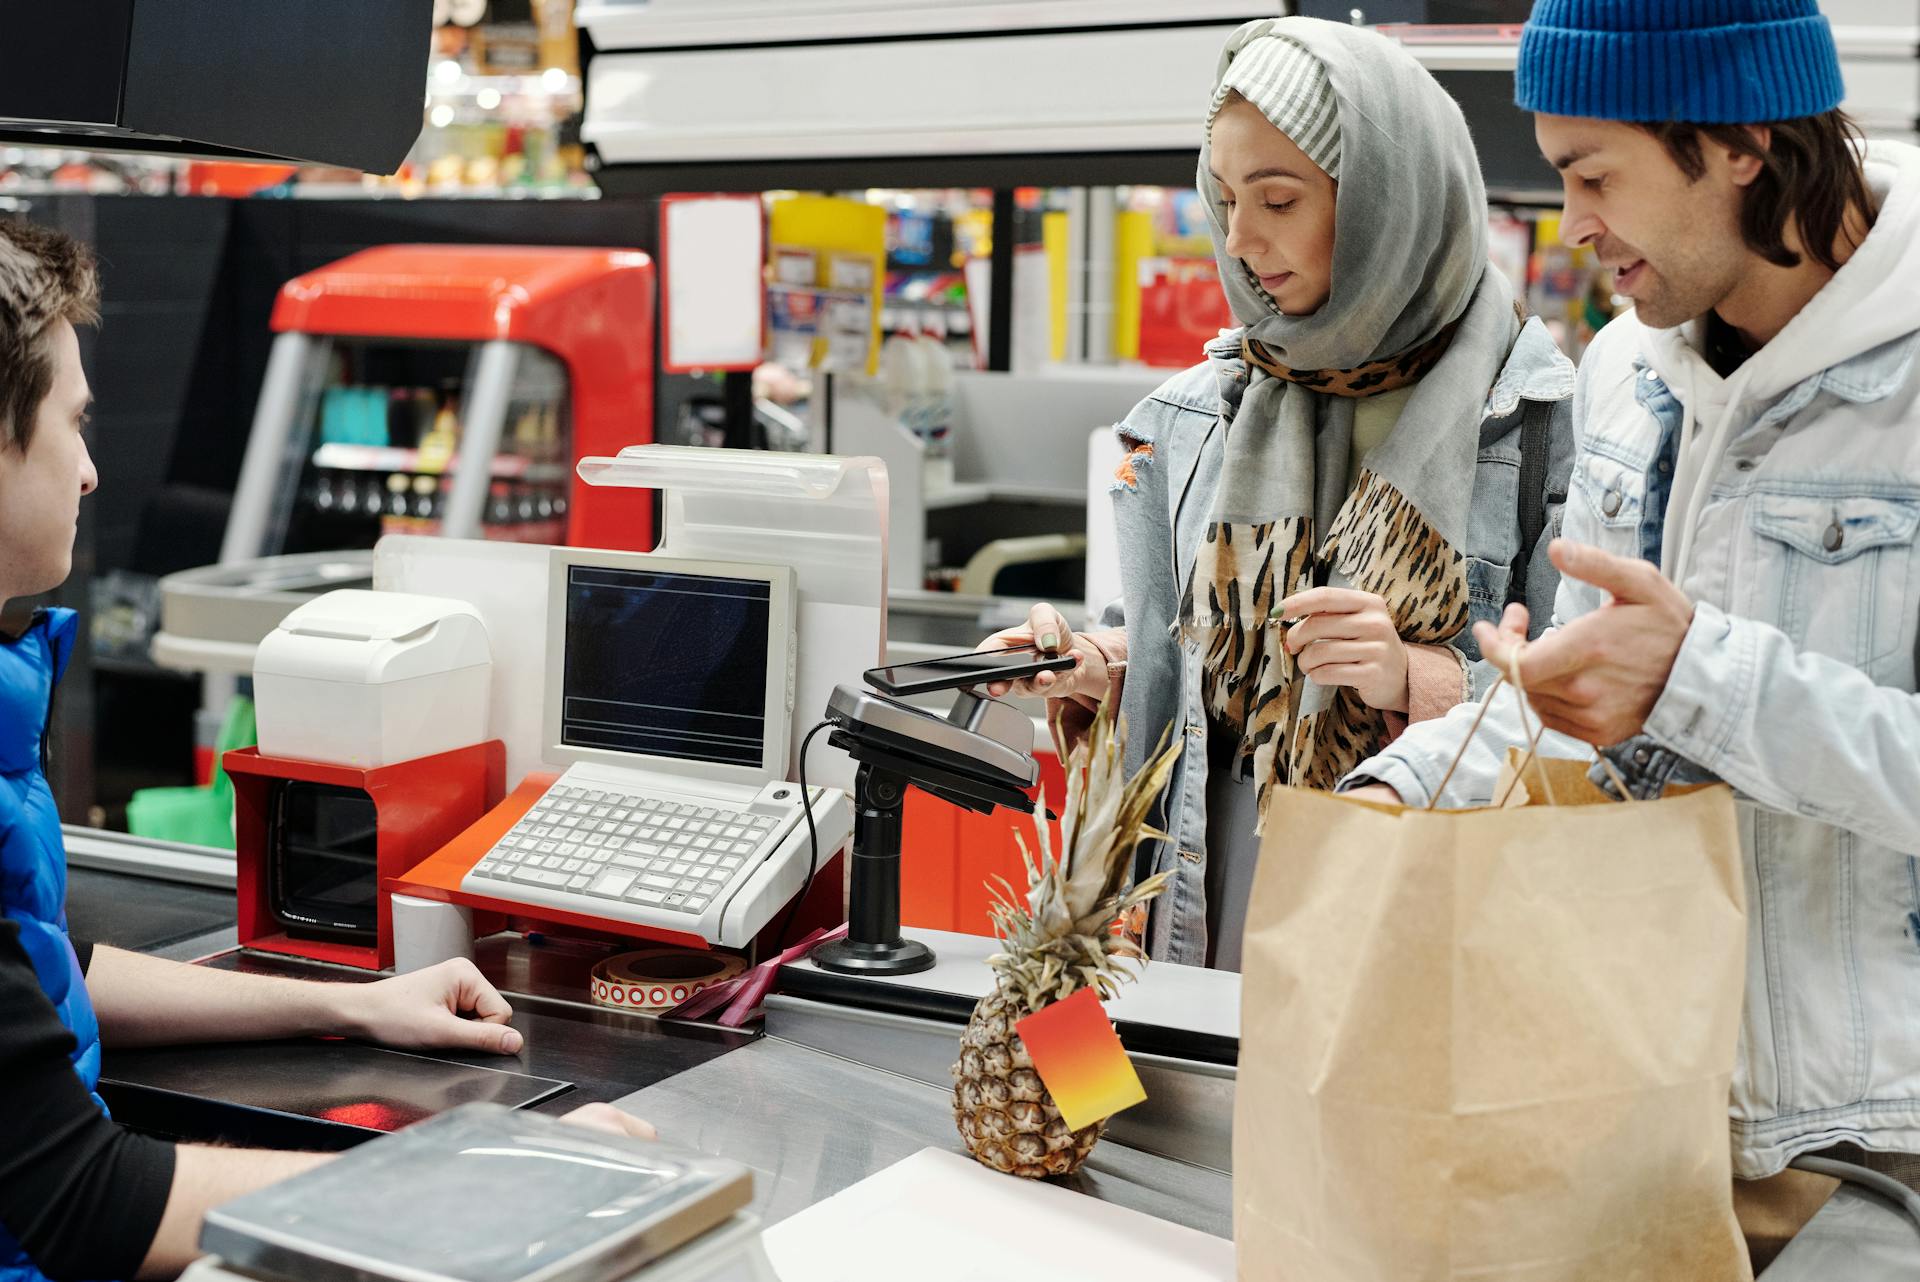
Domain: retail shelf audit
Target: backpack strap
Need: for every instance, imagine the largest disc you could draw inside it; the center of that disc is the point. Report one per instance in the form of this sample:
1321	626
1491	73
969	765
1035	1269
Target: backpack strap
1534	461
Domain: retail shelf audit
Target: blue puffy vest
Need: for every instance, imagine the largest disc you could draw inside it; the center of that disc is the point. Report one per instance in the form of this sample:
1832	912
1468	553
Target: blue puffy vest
33	861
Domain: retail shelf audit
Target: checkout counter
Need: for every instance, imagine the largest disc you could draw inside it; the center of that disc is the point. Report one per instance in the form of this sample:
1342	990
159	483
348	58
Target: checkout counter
845	1077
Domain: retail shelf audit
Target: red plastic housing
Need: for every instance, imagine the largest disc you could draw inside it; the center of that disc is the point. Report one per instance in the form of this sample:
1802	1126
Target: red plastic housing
419	806
591	308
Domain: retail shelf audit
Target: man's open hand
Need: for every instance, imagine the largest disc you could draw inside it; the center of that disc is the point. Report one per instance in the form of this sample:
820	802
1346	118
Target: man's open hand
1598	677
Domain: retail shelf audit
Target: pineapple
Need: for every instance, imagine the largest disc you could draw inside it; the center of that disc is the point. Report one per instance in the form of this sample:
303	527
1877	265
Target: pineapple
1058	939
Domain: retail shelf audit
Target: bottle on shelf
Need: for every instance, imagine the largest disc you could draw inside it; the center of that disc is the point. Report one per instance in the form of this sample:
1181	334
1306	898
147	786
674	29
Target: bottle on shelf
437	447
499	522
426	503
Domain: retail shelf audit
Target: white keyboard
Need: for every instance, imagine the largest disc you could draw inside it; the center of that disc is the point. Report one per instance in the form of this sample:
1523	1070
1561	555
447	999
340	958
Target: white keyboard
698	865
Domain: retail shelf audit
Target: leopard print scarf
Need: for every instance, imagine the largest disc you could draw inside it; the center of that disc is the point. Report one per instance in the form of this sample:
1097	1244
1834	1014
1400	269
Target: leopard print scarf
1370	379
1412	302
1378	543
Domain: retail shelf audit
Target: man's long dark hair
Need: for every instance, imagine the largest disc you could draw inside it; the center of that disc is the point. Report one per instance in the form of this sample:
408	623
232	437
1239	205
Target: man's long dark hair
1810	177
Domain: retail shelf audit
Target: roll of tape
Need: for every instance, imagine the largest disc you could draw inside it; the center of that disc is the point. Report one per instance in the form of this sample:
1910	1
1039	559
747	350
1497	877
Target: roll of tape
657	979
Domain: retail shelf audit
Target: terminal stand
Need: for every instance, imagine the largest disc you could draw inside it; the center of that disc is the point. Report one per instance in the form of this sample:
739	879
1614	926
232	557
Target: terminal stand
973	758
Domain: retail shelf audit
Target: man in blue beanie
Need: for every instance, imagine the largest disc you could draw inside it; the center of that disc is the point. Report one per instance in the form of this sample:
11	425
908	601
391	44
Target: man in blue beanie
79	1196
1741	584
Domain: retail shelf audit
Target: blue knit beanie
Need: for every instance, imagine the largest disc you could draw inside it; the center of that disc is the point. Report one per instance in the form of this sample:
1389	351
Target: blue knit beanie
1705	62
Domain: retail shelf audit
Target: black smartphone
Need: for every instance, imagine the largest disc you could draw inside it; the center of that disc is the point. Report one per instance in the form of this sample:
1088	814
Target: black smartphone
956	671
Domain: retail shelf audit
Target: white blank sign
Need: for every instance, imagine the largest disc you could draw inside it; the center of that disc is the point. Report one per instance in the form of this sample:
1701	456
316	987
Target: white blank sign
715	293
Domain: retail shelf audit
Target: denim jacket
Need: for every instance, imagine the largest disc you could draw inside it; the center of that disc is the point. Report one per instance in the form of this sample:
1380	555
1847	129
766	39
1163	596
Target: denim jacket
1162	516
1795	683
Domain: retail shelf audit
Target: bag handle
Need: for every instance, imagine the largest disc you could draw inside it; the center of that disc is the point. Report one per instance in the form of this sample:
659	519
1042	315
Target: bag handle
1512	677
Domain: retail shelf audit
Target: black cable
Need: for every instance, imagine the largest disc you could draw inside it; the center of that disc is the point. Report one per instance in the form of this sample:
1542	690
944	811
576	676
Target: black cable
813	839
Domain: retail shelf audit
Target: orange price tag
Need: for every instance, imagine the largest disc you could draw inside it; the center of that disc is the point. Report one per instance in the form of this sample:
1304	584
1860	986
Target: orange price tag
1080	1059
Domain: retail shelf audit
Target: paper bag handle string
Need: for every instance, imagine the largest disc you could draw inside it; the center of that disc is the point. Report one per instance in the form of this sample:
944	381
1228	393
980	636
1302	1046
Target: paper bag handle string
1512	677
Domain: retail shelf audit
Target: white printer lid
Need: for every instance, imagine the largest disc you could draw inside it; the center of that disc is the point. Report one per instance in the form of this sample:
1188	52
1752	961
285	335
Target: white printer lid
375	637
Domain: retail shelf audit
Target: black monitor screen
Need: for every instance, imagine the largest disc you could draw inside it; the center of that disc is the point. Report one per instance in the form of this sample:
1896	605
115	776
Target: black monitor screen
666	665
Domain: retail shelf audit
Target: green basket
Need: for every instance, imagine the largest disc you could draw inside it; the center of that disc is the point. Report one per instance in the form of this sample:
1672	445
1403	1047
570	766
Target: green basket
197	816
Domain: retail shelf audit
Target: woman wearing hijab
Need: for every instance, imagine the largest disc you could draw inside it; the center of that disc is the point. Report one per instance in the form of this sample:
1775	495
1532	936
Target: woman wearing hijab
1312	518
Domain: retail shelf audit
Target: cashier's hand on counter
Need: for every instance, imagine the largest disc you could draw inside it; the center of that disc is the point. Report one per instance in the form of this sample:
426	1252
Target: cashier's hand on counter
1046	628
446	1007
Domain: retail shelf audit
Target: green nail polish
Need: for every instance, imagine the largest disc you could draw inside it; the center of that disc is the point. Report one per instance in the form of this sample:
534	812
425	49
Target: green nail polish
1050	641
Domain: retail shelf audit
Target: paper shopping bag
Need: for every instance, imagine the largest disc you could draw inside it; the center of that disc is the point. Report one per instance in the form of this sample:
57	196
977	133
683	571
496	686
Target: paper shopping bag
1491	1045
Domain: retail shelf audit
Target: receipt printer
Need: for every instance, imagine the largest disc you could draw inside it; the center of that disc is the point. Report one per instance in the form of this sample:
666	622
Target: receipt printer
370	679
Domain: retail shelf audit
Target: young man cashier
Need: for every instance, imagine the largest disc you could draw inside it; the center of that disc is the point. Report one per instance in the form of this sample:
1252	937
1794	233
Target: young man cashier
79	1196
1741	584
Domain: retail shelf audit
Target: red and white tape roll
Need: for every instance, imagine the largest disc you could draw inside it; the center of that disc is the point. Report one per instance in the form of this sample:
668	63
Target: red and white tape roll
657	979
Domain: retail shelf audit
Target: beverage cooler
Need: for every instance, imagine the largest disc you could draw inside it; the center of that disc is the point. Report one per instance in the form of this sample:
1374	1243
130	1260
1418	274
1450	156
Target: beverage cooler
438	389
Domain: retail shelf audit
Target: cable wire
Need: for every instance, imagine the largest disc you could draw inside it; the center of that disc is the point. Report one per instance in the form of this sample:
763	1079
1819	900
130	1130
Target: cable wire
813	839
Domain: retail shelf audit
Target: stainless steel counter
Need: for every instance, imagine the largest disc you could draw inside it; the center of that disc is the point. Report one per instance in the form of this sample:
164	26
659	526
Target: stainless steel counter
811	1124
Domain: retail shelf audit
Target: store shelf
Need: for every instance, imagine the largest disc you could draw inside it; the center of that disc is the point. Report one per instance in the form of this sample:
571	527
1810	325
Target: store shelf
659	24
987	95
336	457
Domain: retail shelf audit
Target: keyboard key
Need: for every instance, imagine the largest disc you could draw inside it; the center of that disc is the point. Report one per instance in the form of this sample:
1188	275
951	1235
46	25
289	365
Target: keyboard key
682	869
486	867
601	812
734	832
596	796
570	865
695	903
539	876
609	827
704	813
673	900
643	848
677	824
704	843
596	840
614	843
630	861
578	883
553	861
658	882
730	862
626	830
571	849
612	884
691	883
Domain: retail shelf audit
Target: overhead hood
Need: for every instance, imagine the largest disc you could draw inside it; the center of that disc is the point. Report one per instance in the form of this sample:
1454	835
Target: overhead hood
335	82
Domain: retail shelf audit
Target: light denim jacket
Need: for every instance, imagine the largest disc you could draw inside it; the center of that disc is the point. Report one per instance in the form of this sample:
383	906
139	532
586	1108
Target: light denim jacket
1795	685
1162	518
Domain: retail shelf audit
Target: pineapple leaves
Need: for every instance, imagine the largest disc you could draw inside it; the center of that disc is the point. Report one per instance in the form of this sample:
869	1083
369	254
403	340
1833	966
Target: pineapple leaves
1059	936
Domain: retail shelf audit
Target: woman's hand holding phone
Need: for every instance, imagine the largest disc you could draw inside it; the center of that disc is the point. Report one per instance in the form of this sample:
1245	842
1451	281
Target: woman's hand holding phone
1047	630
